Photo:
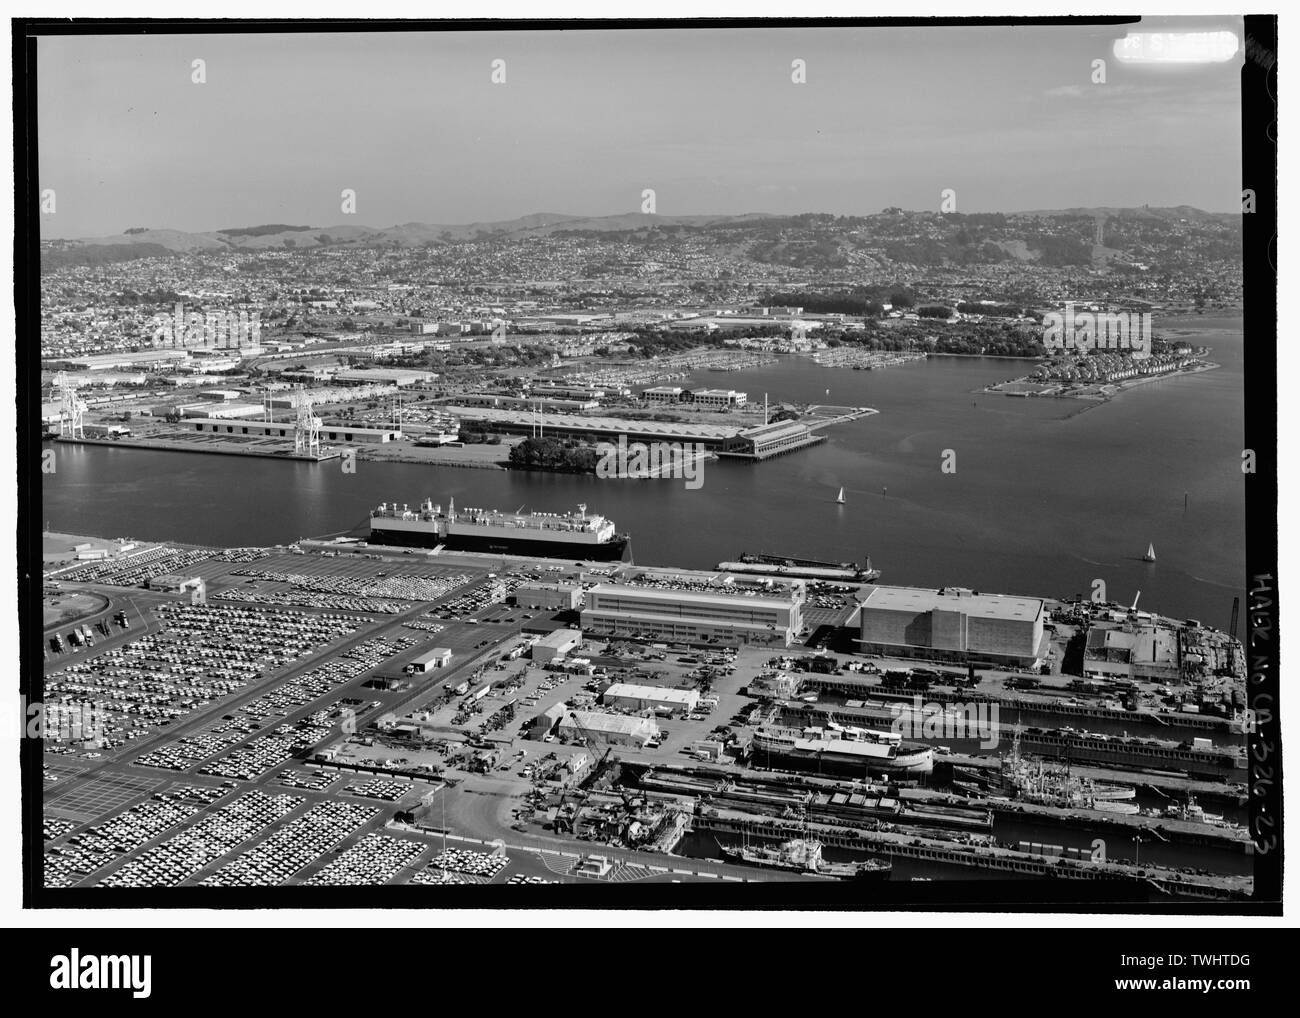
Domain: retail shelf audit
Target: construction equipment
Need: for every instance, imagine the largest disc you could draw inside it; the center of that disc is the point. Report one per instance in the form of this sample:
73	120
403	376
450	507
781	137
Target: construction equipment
573	823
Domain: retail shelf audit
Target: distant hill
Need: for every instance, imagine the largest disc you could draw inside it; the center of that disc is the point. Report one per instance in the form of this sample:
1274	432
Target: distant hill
101	254
1188	212
815	241
403	235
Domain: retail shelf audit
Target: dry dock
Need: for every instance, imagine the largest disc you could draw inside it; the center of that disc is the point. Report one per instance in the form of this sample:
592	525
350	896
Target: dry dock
981	856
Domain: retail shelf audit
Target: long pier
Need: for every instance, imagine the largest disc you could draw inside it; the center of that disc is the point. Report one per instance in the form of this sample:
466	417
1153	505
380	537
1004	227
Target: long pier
855	687
1218	764
279	452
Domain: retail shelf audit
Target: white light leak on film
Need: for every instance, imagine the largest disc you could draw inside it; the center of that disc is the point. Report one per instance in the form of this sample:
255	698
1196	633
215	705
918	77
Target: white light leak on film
1176	47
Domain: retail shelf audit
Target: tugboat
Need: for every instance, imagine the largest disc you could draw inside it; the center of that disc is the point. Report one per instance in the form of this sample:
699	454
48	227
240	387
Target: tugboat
804	855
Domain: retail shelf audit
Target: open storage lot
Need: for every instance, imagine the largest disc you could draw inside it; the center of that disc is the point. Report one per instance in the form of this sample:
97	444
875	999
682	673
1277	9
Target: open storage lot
200	654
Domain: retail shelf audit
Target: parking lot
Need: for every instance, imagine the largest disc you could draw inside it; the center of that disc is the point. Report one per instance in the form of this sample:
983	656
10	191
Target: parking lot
239	696
199	654
97	797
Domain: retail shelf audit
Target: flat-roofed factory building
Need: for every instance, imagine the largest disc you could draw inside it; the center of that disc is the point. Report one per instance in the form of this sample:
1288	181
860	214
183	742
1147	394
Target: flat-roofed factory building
609	729
553	646
633	697
722	613
551	596
437	657
952	624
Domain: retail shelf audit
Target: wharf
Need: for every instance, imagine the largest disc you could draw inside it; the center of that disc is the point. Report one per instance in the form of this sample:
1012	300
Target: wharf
819	416
1166	829
1034	704
263	449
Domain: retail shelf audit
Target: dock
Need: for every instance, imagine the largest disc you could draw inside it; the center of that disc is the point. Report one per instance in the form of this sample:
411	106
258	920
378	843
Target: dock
261	448
1042	863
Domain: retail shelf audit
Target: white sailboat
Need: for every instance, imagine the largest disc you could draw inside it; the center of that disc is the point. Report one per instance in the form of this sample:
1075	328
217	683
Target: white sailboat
1150	556
840	498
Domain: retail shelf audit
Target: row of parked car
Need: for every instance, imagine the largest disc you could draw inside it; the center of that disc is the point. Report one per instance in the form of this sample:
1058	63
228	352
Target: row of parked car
186	853
92	848
293	847
373	860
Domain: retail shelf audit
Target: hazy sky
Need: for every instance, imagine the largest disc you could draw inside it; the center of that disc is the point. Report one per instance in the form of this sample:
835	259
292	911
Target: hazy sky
1008	117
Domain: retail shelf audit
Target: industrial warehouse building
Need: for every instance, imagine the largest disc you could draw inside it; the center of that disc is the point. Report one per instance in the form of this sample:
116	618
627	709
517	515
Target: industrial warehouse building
719	613
172	584
438	657
630	697
1146	652
952	624
609	729
551	596
544	723
767	440
553	646
526	422
284	429
385	376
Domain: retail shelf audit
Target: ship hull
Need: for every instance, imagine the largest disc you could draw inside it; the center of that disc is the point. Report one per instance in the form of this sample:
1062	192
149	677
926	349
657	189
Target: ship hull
606	551
908	760
837	871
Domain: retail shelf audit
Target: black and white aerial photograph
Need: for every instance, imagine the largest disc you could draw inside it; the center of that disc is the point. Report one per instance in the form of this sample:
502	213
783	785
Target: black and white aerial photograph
728	466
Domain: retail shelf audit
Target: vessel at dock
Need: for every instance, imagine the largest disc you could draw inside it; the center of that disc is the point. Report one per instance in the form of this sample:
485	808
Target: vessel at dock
1194	813
801	568
804	855
1046	783
836	749
574	535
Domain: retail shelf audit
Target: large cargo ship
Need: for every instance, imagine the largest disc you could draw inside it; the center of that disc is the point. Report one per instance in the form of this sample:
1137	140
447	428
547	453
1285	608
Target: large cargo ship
575	535
838	749
804	855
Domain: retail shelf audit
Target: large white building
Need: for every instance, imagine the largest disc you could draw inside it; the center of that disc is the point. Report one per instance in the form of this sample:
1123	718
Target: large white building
632	697
717	399
952	624
385	376
551	596
728	613
437	657
553	646
609	729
